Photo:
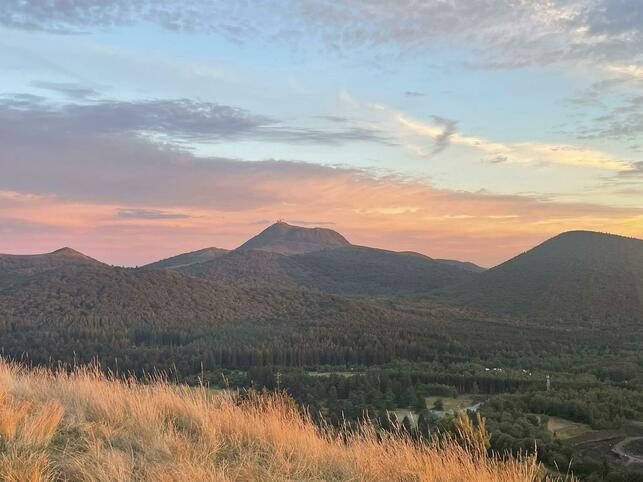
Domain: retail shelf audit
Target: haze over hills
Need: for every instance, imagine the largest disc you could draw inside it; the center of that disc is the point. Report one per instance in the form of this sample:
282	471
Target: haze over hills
187	259
578	275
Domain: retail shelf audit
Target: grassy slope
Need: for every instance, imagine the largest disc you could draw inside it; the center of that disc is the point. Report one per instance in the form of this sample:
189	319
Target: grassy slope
566	429
85	427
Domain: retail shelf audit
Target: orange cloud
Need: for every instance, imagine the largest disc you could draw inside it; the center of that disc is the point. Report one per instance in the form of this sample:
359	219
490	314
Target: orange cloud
388	212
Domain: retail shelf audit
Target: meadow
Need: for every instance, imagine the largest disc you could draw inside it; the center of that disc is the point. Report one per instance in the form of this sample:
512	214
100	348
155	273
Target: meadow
80	424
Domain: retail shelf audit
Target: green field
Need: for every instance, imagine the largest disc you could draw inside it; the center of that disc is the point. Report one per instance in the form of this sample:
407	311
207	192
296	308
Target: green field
451	404
566	429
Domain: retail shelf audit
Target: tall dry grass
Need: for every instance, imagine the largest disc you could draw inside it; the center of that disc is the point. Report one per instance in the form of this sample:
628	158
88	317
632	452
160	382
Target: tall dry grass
84	426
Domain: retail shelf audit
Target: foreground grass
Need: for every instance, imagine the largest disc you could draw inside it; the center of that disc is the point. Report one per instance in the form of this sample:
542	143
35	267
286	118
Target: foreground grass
83	426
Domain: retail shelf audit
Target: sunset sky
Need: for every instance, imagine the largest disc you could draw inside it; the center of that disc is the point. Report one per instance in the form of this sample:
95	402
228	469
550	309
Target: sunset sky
466	129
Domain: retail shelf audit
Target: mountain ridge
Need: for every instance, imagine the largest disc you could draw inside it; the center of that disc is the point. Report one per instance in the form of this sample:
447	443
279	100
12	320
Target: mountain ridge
189	258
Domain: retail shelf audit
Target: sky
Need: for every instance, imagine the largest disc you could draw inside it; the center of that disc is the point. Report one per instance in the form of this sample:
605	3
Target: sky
463	129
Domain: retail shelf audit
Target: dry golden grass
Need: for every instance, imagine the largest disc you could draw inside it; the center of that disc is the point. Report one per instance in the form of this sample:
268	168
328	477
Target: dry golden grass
83	426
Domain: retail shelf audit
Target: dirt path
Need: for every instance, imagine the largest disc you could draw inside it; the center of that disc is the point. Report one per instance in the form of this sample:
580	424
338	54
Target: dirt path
619	449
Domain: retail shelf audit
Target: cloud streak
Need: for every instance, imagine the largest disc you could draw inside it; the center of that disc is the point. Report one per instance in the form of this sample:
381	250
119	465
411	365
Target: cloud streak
74	187
150	214
74	91
520	153
180	119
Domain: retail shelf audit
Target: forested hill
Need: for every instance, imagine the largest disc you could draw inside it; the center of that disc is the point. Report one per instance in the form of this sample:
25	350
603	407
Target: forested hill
150	318
351	270
15	268
578	275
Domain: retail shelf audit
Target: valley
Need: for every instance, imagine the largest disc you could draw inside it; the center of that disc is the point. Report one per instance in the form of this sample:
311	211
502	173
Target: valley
354	333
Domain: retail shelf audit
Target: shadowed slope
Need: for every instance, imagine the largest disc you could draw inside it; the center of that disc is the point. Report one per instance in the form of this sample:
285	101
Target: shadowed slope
14	268
351	270
578	275
168	318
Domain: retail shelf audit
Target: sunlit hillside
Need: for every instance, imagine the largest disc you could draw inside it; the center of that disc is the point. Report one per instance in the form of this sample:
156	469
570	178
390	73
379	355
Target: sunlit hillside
83	426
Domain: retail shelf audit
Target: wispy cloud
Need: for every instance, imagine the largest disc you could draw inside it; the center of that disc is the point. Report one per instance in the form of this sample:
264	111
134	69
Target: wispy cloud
503	34
71	90
150	214
442	140
76	187
179	119
522	153
311	223
623	121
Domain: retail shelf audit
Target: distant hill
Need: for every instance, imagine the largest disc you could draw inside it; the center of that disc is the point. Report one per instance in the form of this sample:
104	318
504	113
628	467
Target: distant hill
466	265
252	268
578	275
15	267
123	297
294	257
286	239
187	259
64	306
350	270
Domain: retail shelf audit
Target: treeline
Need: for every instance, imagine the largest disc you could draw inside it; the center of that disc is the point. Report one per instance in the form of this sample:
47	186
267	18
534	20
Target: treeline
291	342
600	407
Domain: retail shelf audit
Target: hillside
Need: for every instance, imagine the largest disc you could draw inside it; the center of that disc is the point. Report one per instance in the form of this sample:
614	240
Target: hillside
286	239
187	259
466	265
578	275
252	268
83	426
370	271
14	268
147	318
351	270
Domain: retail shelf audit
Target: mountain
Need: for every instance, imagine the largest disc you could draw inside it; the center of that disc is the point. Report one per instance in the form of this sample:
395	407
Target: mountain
286	239
578	275
187	259
319	259
16	267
